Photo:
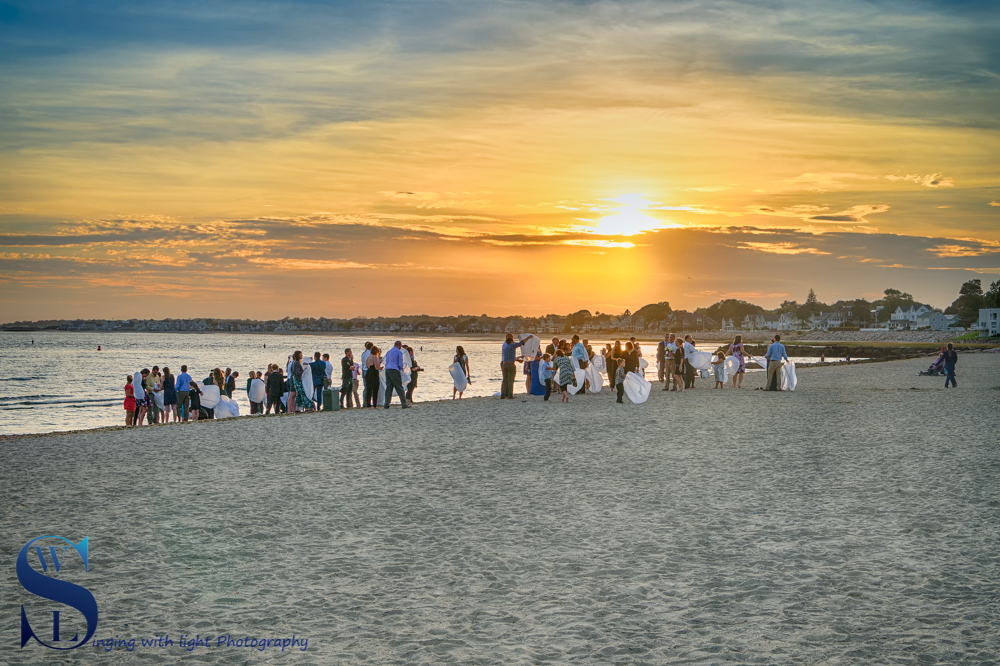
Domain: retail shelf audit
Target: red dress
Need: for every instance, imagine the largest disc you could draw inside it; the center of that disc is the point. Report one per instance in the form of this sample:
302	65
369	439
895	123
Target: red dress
129	398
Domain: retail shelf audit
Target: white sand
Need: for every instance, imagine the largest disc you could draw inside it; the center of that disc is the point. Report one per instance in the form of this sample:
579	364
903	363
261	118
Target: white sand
853	521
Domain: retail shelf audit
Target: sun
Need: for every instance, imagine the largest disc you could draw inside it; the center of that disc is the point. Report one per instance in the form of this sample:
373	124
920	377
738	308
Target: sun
629	219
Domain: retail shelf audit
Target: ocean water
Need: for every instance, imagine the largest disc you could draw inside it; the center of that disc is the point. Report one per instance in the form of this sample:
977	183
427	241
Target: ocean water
55	381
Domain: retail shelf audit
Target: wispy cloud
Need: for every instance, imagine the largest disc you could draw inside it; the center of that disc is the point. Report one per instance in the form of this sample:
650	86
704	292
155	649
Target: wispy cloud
930	180
779	248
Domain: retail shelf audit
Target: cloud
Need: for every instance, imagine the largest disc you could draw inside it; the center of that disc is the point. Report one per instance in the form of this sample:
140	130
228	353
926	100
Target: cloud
436	200
973	249
823	182
779	248
930	180
853	215
994	203
813	213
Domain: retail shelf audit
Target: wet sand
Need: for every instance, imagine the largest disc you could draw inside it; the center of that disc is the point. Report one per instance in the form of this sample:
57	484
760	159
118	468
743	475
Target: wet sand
853	521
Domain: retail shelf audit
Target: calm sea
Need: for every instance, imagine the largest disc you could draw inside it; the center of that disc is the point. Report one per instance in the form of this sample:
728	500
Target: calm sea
52	381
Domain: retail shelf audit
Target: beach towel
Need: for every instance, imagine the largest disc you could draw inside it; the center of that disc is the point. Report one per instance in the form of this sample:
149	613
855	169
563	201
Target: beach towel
531	345
227	407
788	379
258	392
580	376
210	395
636	388
700	360
406	372
593	375
599	362
457	373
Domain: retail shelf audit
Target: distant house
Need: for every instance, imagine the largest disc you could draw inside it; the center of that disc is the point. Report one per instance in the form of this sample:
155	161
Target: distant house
514	327
936	321
548	326
906	318
989	322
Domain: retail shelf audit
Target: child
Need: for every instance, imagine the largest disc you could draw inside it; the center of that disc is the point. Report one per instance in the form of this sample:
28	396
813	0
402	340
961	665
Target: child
620	379
564	366
129	401
545	368
719	367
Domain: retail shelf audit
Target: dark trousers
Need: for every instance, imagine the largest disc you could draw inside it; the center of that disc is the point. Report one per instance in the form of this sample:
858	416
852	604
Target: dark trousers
275	401
345	393
394	382
548	388
621	392
689	376
184	403
409	388
507	385
951	376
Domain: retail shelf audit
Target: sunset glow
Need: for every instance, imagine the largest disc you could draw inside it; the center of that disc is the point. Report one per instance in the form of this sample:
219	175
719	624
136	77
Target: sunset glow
424	157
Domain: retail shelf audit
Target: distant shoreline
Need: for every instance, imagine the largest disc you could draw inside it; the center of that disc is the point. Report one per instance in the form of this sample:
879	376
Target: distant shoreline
912	339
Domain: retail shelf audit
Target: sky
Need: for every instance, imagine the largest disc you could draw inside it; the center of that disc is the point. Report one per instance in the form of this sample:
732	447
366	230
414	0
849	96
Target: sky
343	159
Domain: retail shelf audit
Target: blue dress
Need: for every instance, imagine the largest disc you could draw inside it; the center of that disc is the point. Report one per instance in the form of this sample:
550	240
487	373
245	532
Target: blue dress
169	392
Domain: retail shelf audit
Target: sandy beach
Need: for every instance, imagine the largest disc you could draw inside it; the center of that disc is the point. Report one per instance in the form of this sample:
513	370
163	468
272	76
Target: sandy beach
853	521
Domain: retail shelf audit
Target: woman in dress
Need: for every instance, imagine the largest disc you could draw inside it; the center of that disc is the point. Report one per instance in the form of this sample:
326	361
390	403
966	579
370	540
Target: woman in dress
736	349
373	364
463	362
129	401
302	401
169	397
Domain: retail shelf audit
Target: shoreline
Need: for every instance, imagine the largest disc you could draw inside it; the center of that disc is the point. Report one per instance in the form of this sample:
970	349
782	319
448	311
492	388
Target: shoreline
244	417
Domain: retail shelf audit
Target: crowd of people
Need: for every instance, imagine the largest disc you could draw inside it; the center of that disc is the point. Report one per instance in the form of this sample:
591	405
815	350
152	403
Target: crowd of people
155	396
158	396
561	358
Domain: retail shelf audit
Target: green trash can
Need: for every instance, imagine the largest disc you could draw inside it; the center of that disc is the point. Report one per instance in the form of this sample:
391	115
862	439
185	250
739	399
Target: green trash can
331	399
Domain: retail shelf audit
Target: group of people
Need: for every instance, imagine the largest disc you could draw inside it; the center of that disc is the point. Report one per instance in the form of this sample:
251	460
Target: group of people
560	361
155	396
152	396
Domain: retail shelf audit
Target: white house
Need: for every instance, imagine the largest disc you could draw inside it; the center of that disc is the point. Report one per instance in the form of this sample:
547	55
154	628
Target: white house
989	322
936	321
906	318
514	327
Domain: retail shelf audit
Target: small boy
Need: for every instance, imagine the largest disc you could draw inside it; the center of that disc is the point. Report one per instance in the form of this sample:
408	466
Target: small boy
719	370
620	379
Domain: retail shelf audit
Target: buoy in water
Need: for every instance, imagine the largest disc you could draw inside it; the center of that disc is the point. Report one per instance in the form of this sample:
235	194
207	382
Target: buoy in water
98	347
